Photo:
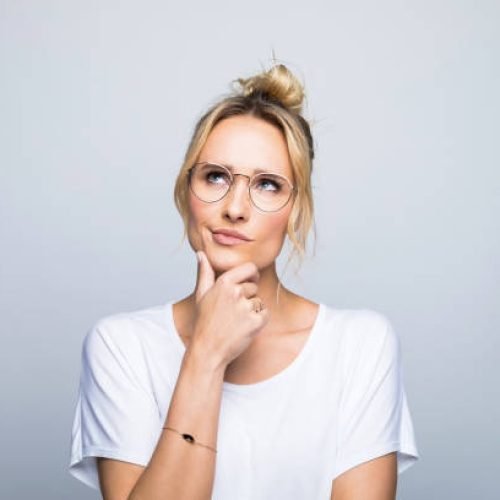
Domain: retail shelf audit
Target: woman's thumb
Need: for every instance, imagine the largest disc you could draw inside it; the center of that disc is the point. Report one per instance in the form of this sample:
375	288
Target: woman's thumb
205	277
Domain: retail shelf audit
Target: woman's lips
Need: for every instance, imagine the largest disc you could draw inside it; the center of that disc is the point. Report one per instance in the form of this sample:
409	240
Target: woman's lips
224	239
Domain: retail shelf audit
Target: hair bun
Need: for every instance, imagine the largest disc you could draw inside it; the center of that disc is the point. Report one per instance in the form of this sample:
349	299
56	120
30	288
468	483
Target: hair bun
277	83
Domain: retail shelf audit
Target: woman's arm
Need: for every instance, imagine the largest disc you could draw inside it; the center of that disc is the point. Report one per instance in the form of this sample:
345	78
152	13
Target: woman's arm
177	470
180	470
372	480
226	322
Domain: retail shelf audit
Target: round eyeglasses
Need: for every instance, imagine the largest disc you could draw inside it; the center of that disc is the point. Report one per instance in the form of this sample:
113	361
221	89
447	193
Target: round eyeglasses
210	182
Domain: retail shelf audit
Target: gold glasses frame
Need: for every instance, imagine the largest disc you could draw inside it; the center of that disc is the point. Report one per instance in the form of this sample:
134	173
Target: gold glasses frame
293	189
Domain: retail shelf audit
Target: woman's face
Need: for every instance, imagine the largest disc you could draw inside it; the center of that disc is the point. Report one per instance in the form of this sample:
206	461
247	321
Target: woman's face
244	143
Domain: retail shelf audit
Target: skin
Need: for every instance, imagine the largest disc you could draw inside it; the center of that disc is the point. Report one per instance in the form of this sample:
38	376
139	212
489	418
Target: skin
372	480
246	142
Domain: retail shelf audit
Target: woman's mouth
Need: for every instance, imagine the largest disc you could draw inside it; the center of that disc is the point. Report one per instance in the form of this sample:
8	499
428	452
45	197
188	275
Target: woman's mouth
224	239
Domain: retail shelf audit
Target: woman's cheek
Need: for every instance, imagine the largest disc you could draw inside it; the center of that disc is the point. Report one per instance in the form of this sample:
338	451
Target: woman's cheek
193	225
278	223
200	220
196	207
275	229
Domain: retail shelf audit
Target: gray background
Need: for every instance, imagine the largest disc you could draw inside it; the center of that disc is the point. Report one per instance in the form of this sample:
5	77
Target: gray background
98	101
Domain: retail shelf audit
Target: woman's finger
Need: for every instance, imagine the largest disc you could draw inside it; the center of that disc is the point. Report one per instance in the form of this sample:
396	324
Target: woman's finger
249	289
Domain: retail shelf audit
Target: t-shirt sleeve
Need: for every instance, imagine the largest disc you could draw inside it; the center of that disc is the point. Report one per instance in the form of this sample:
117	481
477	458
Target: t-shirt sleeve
116	416
374	417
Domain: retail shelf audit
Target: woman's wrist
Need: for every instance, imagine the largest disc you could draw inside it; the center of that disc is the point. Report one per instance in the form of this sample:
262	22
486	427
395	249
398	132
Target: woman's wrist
199	359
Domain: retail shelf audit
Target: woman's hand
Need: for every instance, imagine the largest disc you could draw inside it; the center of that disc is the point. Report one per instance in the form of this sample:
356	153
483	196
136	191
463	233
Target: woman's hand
225	318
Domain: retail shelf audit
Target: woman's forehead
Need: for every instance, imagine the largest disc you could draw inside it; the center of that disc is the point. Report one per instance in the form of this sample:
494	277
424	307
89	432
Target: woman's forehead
248	145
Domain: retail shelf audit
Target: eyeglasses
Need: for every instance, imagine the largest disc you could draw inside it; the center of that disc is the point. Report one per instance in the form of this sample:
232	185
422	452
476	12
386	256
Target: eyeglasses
210	182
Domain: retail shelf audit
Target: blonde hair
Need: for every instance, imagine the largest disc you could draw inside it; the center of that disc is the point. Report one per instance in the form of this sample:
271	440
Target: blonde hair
276	96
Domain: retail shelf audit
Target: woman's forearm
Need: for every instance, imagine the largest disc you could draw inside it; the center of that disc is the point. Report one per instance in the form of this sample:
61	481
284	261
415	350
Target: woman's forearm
178	469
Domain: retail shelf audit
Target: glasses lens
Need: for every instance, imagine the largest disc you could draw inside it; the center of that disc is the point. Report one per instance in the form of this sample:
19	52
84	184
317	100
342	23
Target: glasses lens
210	182
270	192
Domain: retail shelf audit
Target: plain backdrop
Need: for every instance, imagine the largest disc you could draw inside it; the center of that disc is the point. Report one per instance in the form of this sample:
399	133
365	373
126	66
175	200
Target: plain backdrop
98	100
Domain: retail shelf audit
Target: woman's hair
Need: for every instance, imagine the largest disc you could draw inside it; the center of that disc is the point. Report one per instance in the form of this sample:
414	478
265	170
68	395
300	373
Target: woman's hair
275	96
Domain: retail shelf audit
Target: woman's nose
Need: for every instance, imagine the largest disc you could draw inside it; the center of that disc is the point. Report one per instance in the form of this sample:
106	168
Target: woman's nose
237	199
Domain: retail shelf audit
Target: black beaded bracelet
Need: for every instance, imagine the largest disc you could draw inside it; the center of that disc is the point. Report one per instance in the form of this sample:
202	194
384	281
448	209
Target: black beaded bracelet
190	439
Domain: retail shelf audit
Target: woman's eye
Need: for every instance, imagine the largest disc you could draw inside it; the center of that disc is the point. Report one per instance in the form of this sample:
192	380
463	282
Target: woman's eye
216	177
273	186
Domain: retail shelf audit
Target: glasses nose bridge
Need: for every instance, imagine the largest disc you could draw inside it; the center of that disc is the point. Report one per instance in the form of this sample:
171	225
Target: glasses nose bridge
243	175
233	182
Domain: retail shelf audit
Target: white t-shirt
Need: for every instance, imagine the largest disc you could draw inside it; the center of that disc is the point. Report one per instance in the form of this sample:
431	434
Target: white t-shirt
339	403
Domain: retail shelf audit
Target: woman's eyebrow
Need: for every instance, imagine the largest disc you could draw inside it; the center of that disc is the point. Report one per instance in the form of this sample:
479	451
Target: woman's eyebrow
255	171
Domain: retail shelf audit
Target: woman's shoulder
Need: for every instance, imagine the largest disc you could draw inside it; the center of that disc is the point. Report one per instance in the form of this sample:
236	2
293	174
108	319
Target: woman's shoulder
128	325
360	317
360	325
358	321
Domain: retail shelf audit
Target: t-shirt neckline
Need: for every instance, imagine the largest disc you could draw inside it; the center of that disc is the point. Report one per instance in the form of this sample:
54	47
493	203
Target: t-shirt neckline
280	376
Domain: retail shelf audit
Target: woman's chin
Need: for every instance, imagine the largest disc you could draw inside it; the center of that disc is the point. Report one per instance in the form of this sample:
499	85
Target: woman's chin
223	261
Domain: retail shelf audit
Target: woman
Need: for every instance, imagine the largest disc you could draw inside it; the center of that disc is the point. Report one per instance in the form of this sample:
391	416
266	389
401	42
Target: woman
244	389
